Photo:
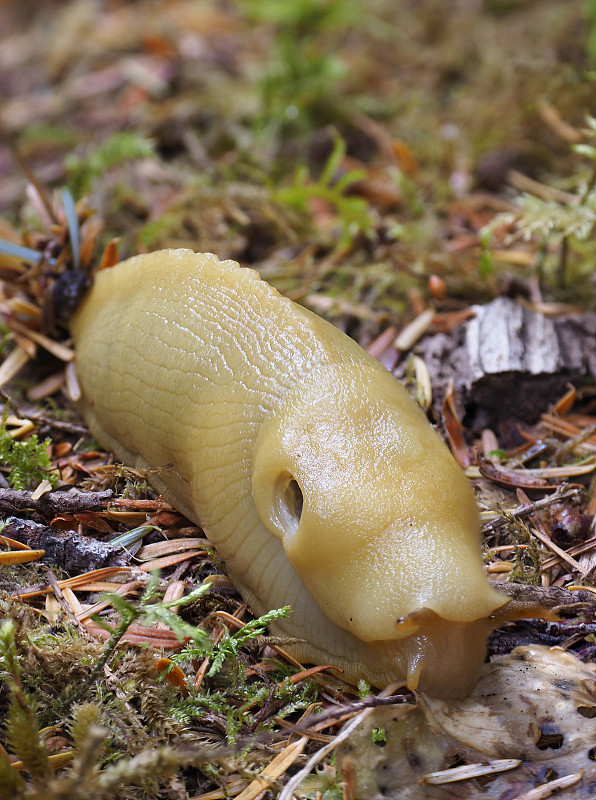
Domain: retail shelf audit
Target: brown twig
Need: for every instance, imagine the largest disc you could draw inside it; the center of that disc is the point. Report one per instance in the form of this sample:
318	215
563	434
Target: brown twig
348	710
31	177
58	594
522	511
53	503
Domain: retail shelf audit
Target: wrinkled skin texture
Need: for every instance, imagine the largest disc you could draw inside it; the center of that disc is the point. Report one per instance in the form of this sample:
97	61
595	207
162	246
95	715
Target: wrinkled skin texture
317	478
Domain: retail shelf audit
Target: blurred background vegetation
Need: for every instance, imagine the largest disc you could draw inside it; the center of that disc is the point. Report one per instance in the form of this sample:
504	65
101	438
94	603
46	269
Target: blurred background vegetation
346	148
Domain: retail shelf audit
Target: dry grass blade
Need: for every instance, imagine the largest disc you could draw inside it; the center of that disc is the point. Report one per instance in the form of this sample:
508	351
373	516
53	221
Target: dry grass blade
24	308
290	788
273	770
408	337
542	190
497	567
551	117
511	478
307	726
232	620
99	586
138	635
454	428
55	348
12	365
20	556
123	590
72	384
564	405
73	601
574	588
288	792
13	543
168	547
570	471
68	602
42	488
569	447
170	561
23	426
133	518
75	582
551	788
56	761
577	550
308	673
470	771
233	787
582	437
47	387
174	591
382	342
521	258
546	540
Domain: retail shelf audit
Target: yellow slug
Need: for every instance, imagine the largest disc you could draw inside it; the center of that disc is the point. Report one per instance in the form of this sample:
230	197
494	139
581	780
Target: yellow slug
319	481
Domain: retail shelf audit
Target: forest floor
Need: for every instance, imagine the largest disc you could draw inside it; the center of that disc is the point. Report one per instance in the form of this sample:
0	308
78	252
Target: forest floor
392	166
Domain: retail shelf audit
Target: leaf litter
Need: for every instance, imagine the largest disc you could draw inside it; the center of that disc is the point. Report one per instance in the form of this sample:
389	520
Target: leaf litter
534	709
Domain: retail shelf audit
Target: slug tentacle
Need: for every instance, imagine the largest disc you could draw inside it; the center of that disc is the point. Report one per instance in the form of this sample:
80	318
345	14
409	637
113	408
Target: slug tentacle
317	478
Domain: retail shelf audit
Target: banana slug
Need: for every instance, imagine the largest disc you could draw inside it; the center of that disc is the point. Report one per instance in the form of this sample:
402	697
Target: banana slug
318	479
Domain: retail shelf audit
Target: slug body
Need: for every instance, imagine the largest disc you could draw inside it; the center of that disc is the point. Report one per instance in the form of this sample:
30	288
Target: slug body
319	481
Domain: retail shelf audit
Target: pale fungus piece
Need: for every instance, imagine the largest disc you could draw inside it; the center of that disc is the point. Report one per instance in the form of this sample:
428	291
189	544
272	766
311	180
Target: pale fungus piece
318	480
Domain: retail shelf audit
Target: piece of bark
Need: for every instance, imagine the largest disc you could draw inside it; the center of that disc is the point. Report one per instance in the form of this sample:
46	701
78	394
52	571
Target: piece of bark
510	361
526	632
548	596
52	503
66	549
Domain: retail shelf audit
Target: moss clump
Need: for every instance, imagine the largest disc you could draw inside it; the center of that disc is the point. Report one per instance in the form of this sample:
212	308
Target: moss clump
29	461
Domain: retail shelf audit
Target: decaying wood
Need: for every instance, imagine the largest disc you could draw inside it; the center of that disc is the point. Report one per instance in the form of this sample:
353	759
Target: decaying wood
548	596
511	361
52	503
68	549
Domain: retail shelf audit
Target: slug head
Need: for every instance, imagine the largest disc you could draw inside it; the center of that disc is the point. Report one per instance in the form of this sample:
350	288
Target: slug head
375	515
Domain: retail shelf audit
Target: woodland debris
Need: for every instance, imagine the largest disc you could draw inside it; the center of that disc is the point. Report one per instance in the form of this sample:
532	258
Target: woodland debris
52	503
507	344
536	706
548	596
68	549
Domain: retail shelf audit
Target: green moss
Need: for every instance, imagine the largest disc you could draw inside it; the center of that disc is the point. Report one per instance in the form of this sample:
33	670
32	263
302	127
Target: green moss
120	147
526	561
299	82
353	213
378	736
29	461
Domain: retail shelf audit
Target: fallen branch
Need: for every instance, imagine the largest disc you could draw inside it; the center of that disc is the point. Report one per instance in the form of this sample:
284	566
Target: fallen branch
52	503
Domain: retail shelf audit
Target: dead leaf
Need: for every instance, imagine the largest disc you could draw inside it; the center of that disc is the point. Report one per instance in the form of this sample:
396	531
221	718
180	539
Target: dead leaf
536	704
